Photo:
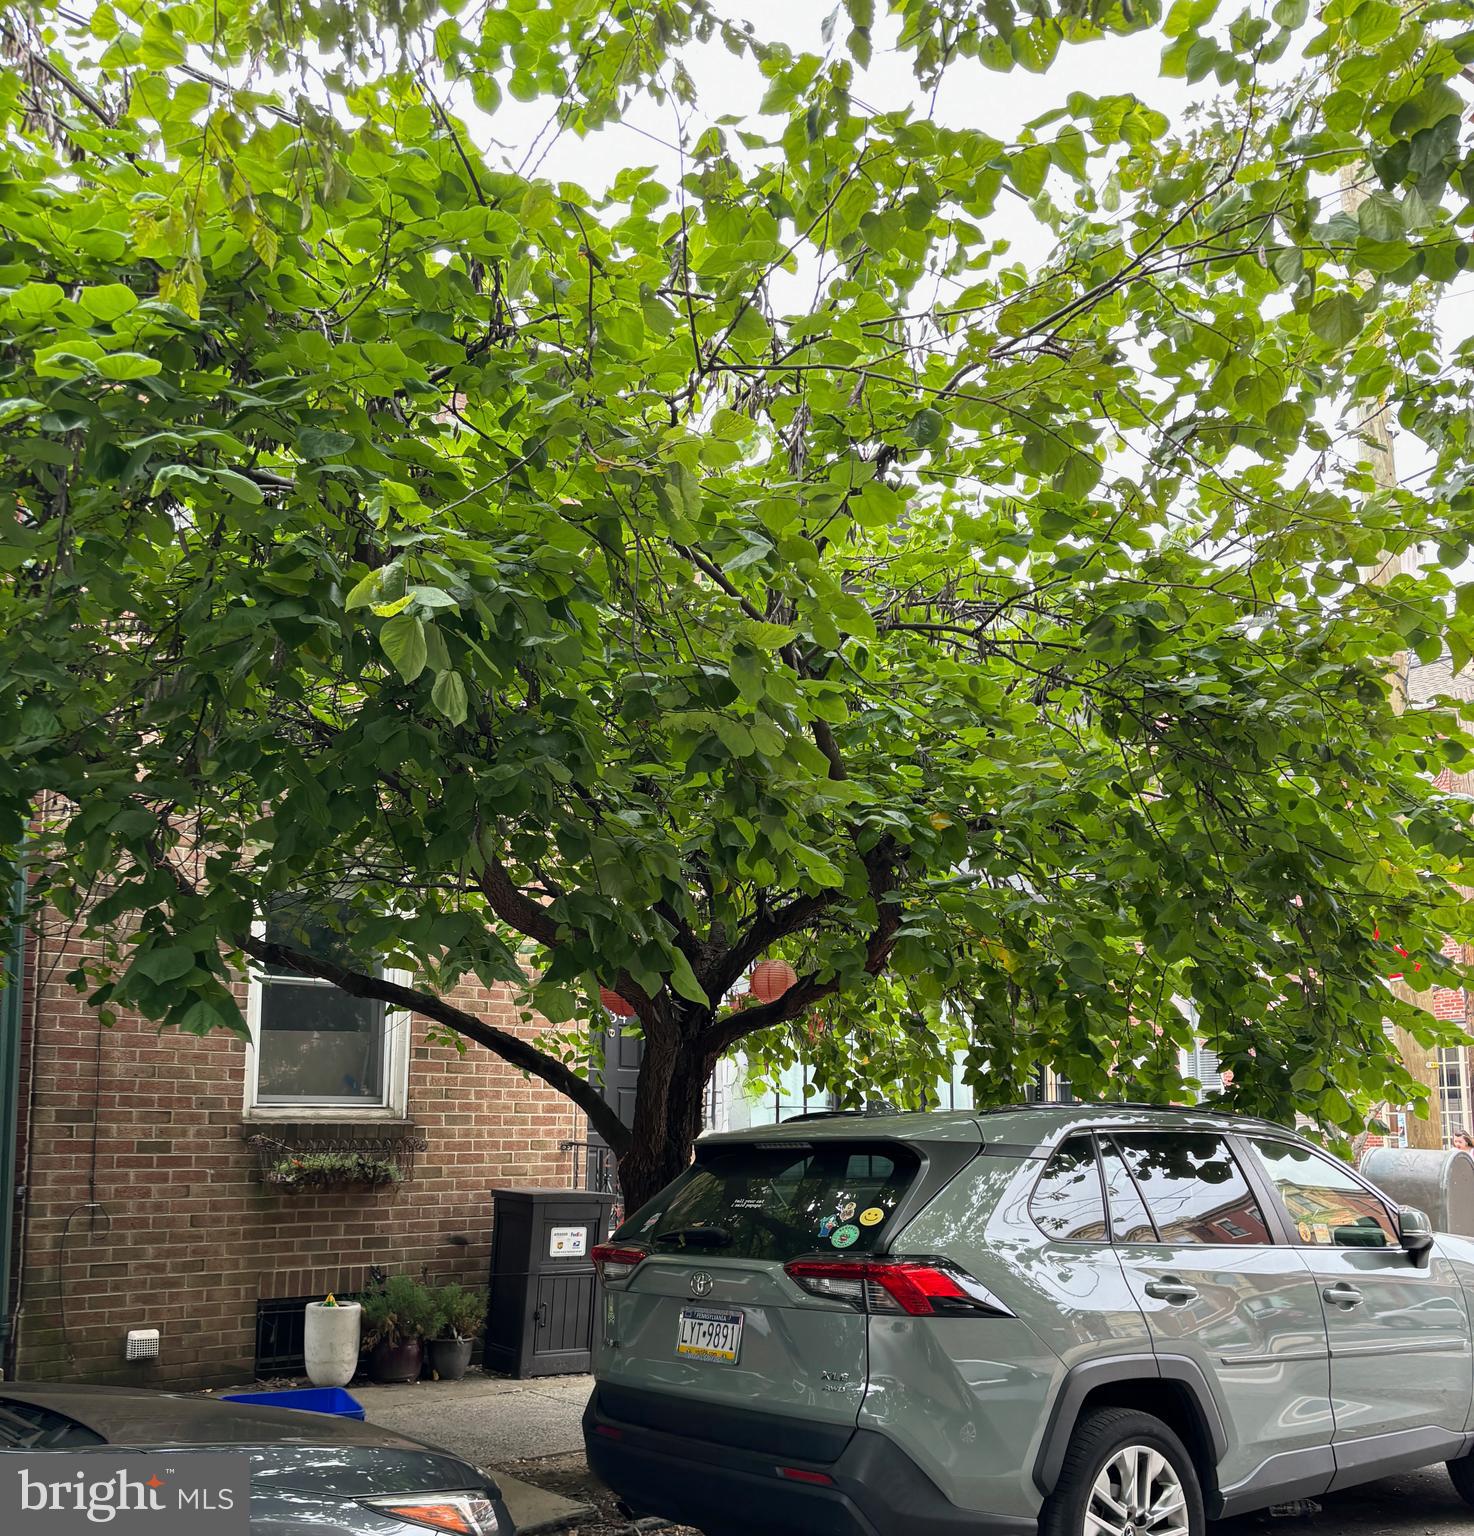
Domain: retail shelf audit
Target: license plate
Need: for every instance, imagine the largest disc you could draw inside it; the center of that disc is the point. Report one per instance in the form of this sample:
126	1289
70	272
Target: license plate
709	1335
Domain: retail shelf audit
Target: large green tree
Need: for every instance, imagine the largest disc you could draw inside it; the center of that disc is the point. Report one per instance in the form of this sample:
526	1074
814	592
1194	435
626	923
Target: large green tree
622	586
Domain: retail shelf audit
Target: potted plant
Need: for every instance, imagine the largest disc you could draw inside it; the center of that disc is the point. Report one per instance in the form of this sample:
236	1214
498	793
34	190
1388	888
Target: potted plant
459	1314
328	1170
331	1341
397	1315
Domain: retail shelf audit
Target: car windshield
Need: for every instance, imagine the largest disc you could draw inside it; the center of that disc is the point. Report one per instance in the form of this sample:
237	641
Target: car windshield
29	1427
778	1200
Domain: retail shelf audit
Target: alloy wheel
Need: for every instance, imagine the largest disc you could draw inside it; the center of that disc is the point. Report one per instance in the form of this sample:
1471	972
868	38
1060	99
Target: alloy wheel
1137	1493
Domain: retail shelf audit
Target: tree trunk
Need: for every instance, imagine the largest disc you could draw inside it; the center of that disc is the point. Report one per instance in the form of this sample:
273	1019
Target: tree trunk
669	1110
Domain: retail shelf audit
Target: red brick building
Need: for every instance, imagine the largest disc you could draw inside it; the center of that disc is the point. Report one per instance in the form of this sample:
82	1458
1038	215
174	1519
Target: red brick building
147	1199
1455	1068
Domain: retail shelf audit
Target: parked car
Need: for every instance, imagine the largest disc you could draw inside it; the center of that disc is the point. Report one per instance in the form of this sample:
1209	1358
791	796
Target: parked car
1070	1320
309	1471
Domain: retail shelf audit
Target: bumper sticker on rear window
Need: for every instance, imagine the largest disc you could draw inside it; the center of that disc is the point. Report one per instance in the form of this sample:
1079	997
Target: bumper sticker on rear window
873	1217
847	1211
846	1237
827	1226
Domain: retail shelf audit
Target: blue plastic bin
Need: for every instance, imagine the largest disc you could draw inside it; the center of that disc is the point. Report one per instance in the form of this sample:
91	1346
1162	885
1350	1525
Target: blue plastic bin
332	1400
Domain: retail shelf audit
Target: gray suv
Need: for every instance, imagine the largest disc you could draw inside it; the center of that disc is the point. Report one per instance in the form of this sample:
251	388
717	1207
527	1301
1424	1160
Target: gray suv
1074	1320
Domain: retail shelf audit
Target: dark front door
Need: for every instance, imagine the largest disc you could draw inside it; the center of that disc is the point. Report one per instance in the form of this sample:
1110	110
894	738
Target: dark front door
618	1077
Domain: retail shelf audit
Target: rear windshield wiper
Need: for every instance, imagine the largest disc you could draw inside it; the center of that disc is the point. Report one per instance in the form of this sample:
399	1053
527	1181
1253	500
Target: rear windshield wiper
696	1237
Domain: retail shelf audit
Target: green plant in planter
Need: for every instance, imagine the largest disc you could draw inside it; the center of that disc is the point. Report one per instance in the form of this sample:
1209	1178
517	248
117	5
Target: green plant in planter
459	1312
306	1170
398	1311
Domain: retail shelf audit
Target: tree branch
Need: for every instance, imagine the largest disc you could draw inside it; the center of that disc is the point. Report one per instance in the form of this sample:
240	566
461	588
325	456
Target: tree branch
764	931
883	865
515	908
510	1048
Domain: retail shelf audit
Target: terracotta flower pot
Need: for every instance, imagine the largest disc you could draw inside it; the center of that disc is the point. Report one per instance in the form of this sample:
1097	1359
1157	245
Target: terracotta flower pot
393	1363
449	1358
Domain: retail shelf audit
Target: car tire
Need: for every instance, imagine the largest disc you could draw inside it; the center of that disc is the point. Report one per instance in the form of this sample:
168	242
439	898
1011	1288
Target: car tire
1109	1445
1461	1473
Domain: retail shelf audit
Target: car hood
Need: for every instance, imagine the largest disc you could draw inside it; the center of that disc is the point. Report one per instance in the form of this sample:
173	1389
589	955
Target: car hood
314	1452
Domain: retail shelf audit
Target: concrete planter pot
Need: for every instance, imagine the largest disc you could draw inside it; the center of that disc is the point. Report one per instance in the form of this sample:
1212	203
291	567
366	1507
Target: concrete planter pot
331	1338
449	1358
391	1364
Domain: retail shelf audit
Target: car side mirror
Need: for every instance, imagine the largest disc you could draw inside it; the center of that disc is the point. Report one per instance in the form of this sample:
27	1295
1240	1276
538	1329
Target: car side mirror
1415	1230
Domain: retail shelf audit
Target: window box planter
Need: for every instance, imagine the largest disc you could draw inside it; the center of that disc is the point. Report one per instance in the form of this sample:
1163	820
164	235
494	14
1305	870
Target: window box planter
331	1170
311	1163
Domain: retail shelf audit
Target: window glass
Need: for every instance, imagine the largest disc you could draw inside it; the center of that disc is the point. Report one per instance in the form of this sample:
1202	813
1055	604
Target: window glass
1193	1187
318	1045
27	1427
1067	1203
315	1044
1129	1220
1328	1207
777	1202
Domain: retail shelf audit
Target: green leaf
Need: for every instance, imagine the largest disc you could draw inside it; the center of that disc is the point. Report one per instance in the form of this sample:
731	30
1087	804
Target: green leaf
364	591
1380	217
164	963
34	301
130	365
108	302
449	696
1028	168
238	486
926	427
20	406
877	505
1337	320
683	979
323	442
1079	476
403	640
767	637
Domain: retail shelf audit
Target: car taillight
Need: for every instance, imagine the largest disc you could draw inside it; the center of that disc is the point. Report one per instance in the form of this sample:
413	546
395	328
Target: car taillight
615	1263
465	1514
909	1287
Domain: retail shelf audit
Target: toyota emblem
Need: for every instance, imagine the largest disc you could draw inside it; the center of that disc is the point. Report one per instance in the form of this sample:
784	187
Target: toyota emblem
701	1283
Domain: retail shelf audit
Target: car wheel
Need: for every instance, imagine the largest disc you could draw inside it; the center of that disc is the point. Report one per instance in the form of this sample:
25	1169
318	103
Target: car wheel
1125	1474
1462	1474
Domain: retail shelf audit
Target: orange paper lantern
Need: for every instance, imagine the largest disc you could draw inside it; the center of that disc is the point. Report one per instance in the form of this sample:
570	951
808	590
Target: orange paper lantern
772	979
619	1006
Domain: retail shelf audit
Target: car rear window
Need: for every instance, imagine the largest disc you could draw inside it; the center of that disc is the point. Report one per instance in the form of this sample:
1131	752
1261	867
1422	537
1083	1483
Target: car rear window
777	1201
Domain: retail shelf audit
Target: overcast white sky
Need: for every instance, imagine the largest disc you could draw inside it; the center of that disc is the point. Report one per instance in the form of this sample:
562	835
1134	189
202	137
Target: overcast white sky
999	104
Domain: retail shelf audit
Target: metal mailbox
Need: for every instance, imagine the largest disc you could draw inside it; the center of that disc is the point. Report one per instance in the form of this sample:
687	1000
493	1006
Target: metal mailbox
543	1288
1440	1183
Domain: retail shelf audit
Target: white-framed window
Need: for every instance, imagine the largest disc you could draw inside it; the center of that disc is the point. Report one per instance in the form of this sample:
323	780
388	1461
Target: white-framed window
318	1053
1453	1090
1202	1065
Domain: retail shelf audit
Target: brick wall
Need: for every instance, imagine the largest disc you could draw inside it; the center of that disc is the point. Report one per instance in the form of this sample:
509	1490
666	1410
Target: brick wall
145	1208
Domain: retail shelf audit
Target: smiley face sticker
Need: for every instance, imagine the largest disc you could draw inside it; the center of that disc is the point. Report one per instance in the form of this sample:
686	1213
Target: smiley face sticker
873	1217
845	1237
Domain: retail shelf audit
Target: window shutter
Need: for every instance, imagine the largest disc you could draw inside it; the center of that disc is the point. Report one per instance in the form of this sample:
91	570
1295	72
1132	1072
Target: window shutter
1202	1063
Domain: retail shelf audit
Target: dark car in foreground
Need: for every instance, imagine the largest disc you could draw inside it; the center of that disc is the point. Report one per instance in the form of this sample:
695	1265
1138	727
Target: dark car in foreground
310	1472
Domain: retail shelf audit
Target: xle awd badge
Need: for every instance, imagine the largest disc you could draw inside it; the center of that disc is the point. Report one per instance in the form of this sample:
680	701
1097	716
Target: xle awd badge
701	1283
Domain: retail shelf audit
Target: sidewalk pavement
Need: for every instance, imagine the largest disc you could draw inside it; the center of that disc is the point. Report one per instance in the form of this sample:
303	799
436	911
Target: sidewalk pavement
492	1420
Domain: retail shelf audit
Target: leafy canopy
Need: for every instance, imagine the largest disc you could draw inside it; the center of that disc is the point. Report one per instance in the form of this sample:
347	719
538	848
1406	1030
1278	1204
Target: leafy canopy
581	586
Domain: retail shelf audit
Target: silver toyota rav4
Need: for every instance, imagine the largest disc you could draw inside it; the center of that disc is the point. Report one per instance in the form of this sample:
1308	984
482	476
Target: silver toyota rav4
1071	1320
